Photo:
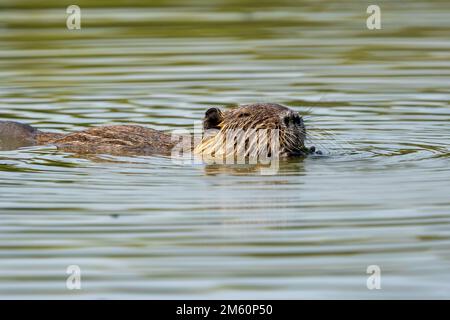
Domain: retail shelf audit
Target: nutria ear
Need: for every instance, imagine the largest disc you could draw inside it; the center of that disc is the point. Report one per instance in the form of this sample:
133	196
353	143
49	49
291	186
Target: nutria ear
213	117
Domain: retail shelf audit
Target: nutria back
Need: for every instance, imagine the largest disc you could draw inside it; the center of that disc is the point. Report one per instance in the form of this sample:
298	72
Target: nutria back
116	140
14	135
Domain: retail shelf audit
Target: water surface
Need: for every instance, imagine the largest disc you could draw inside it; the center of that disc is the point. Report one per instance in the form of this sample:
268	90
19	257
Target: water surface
146	227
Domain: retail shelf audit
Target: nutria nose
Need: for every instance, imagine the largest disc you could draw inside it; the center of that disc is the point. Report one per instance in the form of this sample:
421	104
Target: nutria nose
292	117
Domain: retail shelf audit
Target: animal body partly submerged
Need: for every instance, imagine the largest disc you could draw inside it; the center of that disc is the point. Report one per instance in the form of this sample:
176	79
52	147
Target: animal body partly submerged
138	140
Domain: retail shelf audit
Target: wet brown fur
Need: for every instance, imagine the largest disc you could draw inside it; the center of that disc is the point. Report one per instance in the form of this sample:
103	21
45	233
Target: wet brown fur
138	140
116	140
266	117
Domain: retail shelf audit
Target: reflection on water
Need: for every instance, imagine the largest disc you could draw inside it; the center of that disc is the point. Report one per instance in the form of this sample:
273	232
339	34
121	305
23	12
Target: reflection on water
148	227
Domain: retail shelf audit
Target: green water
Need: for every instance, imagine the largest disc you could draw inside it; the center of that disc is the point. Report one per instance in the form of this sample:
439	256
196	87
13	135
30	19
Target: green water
147	227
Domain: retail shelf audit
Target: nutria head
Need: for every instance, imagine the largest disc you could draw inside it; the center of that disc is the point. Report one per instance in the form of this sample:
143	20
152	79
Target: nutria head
253	130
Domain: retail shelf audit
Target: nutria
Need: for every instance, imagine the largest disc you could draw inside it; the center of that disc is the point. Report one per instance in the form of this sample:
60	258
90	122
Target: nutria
138	140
